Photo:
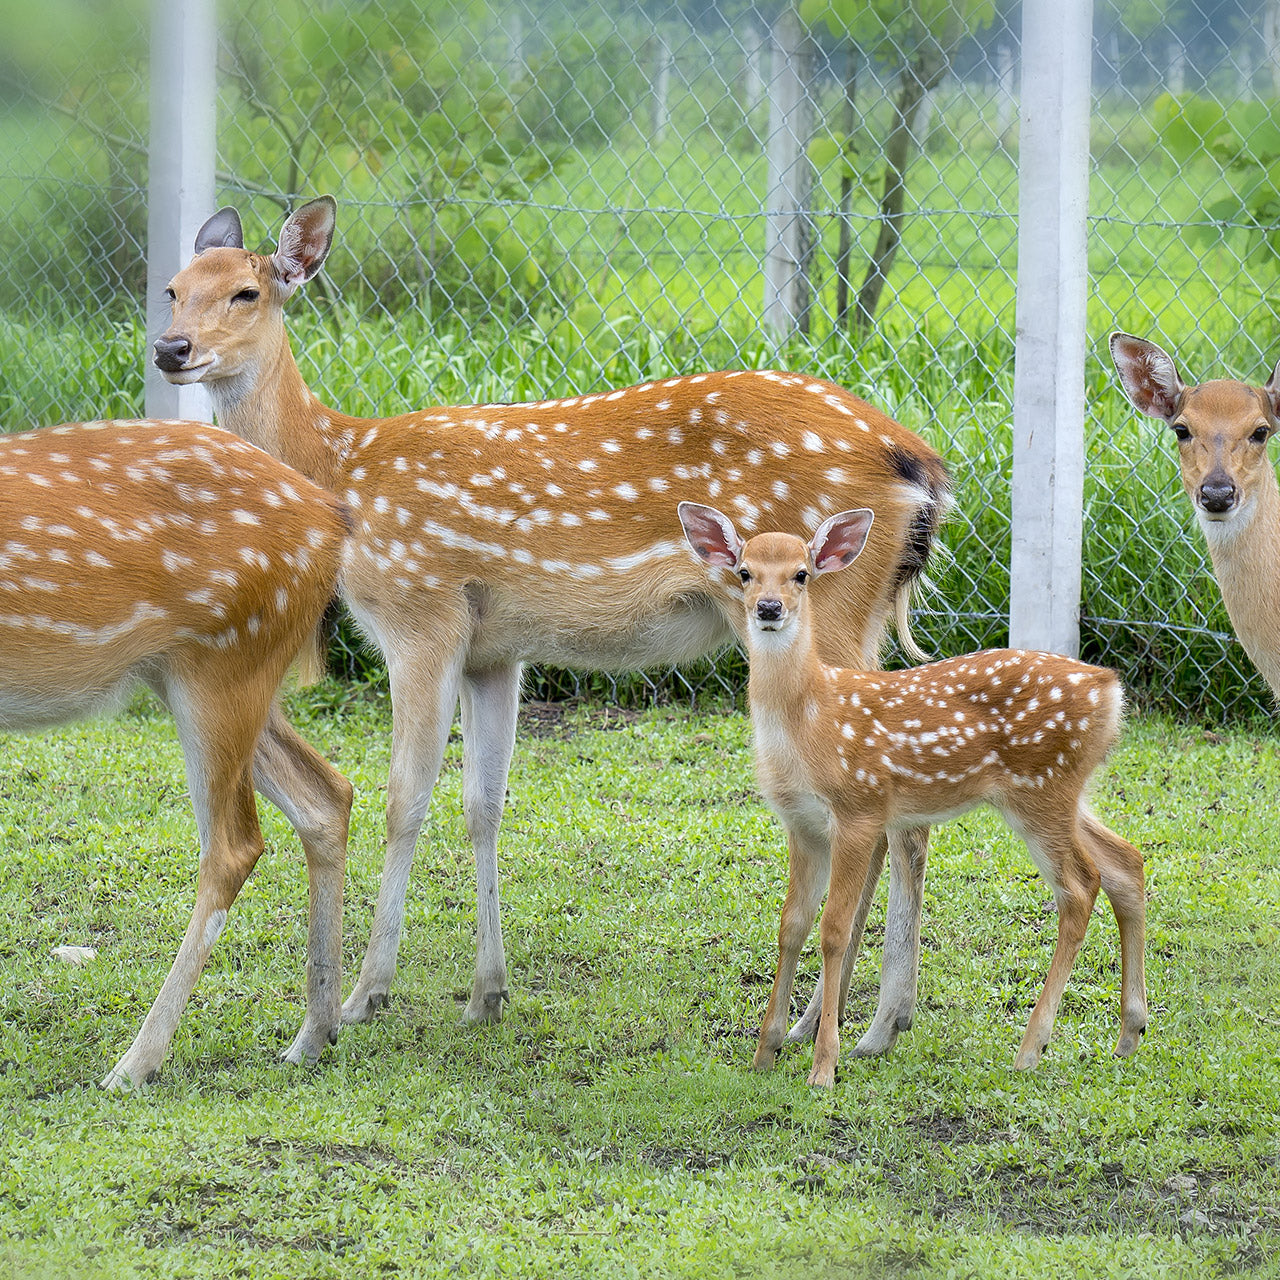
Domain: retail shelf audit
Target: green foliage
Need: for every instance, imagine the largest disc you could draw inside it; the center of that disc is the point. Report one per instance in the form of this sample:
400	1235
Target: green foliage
611	1125
895	32
1244	139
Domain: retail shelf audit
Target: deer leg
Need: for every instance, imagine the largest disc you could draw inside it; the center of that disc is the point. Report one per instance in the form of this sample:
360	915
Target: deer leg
1075	881
424	693
316	799
900	961
806	1026
217	735
854	841
810	865
1120	868
490	704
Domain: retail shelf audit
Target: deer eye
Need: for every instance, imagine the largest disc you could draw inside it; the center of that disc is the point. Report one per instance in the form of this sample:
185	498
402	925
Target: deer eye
744	575
169	293
1260	435
246	295
1182	431
802	577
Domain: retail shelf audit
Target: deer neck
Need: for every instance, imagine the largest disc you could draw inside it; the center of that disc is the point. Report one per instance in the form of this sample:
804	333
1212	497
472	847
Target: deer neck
267	403
1244	562
787	677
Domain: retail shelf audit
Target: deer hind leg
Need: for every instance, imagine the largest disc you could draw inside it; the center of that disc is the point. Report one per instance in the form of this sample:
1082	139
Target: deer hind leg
316	799
806	1026
218	733
424	693
490	705
809	870
900	963
1070	872
1120	867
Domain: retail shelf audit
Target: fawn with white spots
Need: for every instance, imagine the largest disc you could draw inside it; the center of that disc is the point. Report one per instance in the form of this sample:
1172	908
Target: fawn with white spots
489	535
176	555
1223	428
844	755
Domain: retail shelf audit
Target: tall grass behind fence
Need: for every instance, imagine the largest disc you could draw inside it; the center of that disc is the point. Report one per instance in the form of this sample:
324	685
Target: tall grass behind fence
547	199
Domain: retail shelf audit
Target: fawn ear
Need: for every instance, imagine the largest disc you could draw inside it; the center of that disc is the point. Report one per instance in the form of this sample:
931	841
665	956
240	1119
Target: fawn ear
222	231
305	241
1272	390
1148	375
711	535
840	539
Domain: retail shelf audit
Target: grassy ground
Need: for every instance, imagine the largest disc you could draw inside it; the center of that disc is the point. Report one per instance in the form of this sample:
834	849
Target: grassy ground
610	1126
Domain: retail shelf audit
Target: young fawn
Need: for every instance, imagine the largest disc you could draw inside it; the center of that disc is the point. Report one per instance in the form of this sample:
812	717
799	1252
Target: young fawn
1223	428
844	755
489	535
176	555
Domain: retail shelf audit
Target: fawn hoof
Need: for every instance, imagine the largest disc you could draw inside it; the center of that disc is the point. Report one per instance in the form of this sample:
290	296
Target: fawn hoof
1028	1058
822	1077
360	1006
485	1007
1130	1039
763	1059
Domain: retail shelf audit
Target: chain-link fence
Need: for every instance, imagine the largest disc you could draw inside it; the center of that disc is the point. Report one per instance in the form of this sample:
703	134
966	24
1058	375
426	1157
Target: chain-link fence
545	198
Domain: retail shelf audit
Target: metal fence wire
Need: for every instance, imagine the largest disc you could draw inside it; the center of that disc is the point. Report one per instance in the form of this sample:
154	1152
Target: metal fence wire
541	199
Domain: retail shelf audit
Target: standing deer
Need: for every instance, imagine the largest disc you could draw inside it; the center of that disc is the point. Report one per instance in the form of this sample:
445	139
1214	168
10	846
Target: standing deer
1222	428
488	535
844	755
174	554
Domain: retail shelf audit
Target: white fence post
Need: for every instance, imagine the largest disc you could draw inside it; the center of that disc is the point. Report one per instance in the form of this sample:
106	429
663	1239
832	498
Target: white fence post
180	184
1048	380
790	183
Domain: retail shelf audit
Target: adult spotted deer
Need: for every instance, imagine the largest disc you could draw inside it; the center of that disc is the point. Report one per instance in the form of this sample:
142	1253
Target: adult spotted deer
1222	428
844	755
488	535
174	554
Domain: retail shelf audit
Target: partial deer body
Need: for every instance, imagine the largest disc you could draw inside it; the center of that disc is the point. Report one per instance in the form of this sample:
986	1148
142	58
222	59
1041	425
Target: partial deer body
1222	428
175	555
493	534
845	756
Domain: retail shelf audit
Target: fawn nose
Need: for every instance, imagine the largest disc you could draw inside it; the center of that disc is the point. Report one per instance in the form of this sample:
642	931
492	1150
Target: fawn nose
172	354
1217	495
768	610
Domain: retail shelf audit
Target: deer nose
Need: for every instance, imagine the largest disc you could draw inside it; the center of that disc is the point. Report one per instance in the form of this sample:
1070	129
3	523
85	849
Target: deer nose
1217	494
172	354
768	610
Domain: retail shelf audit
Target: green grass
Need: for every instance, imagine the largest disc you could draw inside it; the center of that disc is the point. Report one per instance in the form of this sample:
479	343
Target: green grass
610	1125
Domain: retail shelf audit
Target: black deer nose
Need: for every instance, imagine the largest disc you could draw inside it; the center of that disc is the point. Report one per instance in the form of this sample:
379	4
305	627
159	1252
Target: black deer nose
172	354
768	610
1217	495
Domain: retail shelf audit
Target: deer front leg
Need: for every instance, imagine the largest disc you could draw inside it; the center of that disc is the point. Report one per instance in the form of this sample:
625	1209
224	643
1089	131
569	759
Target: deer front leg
806	1026
490	705
316	799
900	961
423	696
851	847
810	864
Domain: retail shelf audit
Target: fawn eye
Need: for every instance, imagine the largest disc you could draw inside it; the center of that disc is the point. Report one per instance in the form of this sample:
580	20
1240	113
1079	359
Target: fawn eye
744	575
1182	431
169	293
802	577
1260	435
246	295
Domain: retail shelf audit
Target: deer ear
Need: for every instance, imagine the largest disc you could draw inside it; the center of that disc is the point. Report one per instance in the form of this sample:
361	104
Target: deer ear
711	535
840	539
222	231
1148	375
305	241
1272	390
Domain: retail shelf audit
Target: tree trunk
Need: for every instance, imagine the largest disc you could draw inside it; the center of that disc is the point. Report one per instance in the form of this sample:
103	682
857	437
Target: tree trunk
845	249
917	79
